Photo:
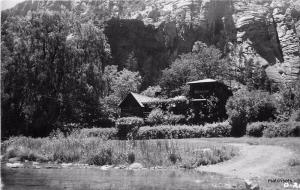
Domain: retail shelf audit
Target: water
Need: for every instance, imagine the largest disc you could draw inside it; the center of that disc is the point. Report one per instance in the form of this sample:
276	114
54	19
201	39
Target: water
94	178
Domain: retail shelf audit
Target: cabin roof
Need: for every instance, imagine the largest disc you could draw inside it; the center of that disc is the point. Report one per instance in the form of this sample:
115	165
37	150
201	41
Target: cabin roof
202	81
141	99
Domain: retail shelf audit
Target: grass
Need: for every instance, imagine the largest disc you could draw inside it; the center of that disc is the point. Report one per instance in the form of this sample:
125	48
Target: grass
96	151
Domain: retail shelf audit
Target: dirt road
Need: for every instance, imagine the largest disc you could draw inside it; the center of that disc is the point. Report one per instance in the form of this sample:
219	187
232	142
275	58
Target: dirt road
253	161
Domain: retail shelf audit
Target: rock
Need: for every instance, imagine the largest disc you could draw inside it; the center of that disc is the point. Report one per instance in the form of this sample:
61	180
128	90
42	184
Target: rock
36	167
15	165
15	159
35	163
120	167
135	166
250	185
65	165
52	166
206	150
228	186
106	167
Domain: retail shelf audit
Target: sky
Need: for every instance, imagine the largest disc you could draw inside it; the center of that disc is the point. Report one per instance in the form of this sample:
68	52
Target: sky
6	4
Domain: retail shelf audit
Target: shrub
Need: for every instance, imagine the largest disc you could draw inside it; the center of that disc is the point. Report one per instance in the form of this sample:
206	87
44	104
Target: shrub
173	119
208	156
128	126
287	99
66	150
102	157
24	153
244	107
104	133
174	158
256	129
156	117
284	129
184	131
131	157
218	129
295	115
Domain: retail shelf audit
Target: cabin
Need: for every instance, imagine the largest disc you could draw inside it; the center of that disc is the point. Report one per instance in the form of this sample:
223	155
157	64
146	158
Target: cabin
202	91
136	105
200	94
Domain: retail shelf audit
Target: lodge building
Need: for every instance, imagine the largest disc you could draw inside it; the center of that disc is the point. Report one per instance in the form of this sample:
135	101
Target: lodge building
199	94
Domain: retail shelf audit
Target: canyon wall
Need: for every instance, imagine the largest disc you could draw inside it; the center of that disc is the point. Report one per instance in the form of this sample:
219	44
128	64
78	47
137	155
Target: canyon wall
157	31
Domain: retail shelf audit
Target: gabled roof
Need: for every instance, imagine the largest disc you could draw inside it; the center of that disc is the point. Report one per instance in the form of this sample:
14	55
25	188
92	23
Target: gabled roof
142	99
202	81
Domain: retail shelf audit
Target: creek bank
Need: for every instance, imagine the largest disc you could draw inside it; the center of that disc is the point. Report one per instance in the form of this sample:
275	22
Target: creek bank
16	163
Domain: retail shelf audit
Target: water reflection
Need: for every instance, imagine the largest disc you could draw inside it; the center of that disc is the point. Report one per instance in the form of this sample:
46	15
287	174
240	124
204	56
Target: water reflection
94	178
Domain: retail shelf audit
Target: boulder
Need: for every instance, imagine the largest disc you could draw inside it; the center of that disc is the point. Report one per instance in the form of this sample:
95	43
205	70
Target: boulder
106	167
120	167
135	166
66	165
15	165
250	185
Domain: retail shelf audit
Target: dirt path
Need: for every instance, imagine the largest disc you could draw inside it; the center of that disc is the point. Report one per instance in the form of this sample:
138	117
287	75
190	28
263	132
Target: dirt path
253	161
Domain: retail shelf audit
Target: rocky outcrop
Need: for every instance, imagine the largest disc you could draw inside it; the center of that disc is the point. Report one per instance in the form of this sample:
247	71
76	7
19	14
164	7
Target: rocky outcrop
157	31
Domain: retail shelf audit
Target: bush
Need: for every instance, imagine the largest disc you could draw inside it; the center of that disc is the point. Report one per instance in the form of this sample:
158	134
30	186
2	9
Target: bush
218	129
256	129
173	119
284	129
287	99
128	126
244	107
295	115
102	157
156	117
24	153
104	133
184	131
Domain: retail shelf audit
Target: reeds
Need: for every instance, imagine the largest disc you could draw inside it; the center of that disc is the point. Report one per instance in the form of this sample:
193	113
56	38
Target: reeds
96	151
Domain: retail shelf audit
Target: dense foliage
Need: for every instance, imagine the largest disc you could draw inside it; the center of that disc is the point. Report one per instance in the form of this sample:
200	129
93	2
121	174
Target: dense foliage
185	131
249	106
288	99
51	72
128	126
157	117
203	62
283	129
256	129
103	133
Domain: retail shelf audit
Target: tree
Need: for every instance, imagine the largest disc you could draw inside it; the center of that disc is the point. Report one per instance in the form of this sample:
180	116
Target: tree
126	81
118	84
203	62
152	91
131	62
52	72
255	76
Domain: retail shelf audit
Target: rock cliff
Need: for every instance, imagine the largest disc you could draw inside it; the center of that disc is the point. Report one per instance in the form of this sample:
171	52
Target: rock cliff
157	31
